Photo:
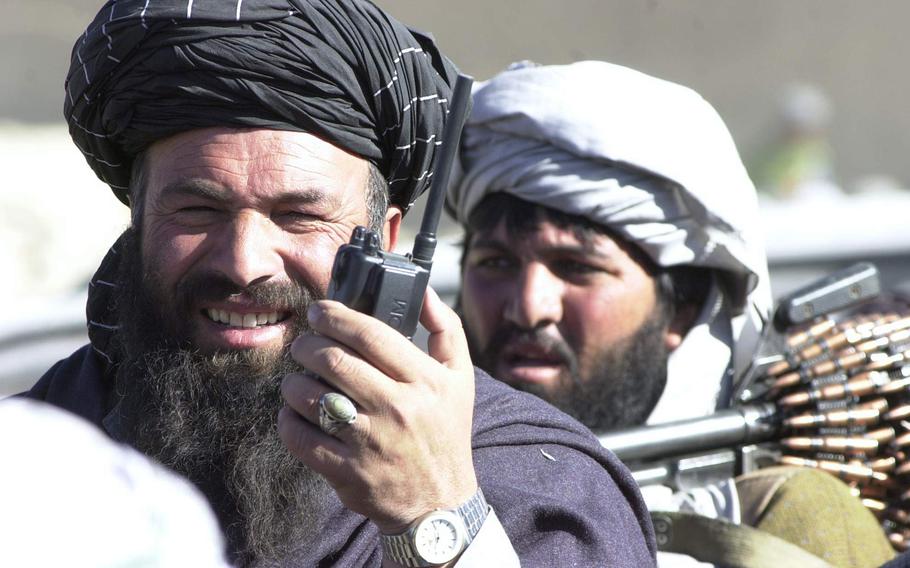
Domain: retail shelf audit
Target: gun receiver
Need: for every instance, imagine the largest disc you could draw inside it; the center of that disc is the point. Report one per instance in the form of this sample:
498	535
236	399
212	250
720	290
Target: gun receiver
837	291
694	452
714	444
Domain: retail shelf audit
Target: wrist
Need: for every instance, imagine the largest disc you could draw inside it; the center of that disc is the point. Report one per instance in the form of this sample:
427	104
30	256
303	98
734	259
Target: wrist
401	519
438	537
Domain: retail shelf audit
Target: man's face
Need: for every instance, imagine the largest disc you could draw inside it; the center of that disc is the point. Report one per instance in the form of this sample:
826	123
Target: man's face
237	237
227	211
557	314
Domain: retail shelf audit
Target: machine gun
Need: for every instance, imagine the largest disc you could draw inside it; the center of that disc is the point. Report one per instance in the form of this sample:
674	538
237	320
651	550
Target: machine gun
828	388
695	452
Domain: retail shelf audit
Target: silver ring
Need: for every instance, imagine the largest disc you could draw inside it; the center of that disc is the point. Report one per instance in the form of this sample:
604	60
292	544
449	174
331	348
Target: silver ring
336	411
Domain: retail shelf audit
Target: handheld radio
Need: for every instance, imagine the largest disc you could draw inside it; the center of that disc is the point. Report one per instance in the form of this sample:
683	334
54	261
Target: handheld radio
389	286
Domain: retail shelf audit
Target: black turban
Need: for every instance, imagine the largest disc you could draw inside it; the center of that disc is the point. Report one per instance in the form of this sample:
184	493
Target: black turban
342	70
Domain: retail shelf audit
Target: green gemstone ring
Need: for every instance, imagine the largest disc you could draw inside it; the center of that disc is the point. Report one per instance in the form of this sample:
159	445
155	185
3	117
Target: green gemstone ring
335	412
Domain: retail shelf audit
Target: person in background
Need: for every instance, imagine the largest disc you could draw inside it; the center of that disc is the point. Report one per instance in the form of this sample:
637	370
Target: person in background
799	162
612	257
613	265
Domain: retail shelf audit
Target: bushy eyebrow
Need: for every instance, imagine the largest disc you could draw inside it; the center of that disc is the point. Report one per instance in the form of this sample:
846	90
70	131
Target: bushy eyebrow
580	249
212	191
487	243
195	188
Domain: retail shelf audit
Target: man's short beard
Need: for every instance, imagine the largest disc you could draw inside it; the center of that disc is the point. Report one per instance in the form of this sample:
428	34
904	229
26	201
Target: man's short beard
624	385
213	417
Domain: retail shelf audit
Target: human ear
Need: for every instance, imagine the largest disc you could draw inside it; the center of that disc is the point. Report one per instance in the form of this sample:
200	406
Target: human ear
391	227
679	326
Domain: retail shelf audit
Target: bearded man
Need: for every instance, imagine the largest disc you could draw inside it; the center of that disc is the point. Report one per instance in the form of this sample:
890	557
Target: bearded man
610	261
611	257
249	140
612	265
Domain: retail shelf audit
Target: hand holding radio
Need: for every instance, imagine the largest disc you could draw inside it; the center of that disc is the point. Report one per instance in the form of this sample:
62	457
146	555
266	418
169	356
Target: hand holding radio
408	451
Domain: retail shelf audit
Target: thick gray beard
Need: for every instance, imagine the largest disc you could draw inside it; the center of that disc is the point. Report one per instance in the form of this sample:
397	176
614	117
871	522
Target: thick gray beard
213	418
624	385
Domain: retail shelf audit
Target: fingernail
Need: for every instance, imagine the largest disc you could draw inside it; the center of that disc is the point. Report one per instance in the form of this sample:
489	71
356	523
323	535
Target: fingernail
313	313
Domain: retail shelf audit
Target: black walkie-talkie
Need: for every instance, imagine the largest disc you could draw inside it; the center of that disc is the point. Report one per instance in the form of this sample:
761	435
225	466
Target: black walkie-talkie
389	286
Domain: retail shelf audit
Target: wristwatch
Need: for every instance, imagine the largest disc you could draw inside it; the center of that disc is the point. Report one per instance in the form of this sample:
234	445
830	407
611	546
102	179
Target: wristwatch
439	536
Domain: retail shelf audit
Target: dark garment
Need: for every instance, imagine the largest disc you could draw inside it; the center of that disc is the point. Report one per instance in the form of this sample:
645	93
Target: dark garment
902	561
561	497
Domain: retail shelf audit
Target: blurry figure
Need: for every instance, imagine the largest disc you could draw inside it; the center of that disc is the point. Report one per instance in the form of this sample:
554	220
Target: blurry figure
71	497
801	159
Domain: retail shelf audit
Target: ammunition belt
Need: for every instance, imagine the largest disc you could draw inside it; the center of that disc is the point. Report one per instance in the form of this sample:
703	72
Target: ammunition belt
842	390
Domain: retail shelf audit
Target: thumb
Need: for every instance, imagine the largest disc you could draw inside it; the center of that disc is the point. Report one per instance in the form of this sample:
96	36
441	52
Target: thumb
446	343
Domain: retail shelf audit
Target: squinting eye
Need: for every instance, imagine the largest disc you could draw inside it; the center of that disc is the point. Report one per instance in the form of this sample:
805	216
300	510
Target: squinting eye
197	209
575	267
295	215
494	262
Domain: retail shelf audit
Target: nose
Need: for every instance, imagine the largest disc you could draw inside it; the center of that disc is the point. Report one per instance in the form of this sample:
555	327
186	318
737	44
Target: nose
247	251
537	301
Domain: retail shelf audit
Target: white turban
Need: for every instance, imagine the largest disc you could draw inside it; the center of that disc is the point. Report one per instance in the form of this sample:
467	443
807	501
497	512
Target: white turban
649	159
72	497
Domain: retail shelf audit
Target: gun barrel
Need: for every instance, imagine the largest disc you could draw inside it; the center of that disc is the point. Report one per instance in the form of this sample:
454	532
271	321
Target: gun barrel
739	426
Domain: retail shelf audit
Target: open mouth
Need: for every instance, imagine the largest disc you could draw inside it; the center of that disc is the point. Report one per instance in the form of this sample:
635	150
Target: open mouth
530	363
531	355
248	320
520	360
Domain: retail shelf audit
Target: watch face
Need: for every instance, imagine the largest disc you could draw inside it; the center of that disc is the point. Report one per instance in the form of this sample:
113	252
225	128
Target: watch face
439	538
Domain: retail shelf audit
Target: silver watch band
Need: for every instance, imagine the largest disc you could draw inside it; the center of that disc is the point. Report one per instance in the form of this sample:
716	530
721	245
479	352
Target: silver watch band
399	547
473	513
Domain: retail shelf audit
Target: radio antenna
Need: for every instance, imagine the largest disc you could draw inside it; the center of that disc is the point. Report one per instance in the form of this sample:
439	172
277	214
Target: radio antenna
425	241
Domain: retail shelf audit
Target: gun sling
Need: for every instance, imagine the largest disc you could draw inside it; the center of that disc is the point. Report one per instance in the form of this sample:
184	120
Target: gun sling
726	544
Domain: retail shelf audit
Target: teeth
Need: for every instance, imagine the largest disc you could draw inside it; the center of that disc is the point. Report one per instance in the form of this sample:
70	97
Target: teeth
241	320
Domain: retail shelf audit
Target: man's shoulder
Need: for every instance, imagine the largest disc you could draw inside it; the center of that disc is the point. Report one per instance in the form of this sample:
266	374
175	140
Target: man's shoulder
504	416
538	465
519	417
75	383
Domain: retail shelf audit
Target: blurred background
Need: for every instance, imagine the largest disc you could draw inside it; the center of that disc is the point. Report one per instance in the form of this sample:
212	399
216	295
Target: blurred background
813	92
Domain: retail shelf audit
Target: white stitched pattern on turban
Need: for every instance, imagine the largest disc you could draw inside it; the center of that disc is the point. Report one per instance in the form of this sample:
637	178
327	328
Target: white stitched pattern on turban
342	70
650	159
